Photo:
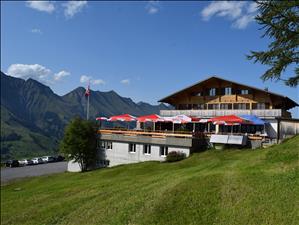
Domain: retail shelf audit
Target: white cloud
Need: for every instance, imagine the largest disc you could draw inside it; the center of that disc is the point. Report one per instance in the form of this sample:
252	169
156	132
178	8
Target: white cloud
44	6
36	31
152	7
26	71
222	8
241	13
73	7
85	79
35	71
58	76
252	7
98	81
125	81
243	21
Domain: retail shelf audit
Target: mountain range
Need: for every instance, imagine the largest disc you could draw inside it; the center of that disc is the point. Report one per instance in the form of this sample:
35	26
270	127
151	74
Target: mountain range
33	117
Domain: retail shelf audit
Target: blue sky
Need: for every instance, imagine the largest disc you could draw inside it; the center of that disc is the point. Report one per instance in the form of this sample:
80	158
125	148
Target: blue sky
143	50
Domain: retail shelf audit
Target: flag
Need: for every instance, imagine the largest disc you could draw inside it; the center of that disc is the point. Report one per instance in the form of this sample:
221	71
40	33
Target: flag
87	92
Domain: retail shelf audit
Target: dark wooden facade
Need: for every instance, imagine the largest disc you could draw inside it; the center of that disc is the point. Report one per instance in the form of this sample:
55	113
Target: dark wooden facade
217	93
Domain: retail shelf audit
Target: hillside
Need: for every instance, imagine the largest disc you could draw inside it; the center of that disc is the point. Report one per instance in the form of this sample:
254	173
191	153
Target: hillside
214	187
33	116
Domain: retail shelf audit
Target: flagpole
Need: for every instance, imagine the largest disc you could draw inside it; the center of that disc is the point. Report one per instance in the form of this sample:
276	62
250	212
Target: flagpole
87	93
87	113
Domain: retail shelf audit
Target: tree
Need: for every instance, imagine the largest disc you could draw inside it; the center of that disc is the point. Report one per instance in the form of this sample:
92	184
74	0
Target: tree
280	20
79	143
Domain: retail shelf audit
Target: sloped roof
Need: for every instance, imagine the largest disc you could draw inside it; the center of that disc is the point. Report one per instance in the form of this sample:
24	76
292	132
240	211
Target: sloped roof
165	99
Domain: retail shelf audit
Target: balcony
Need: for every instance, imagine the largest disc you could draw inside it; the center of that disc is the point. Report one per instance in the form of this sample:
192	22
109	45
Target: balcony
153	138
208	113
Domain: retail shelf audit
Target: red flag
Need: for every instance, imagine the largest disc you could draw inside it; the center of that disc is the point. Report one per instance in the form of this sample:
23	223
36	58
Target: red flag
87	92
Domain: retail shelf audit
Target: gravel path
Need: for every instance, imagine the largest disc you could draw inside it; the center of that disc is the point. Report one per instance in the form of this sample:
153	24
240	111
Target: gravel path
9	174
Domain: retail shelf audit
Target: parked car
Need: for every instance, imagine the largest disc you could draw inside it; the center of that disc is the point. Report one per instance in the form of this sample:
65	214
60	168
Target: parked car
48	159
26	162
59	158
12	163
37	161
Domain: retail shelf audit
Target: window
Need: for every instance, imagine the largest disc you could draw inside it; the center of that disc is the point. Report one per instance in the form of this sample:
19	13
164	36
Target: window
212	92
241	105
163	151
182	106
260	105
106	144
213	106
200	93
226	106
147	149
132	148
228	91
244	92
104	162
198	106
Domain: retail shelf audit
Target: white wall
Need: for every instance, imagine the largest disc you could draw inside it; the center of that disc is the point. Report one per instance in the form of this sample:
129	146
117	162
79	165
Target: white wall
119	154
73	166
288	128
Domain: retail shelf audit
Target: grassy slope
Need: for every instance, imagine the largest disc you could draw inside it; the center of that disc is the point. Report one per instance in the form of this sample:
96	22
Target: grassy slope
213	187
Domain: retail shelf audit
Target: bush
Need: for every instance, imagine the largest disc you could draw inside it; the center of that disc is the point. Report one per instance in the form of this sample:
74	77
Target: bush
175	156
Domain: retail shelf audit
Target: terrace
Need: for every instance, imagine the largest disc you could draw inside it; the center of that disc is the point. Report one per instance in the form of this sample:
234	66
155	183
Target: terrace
183	139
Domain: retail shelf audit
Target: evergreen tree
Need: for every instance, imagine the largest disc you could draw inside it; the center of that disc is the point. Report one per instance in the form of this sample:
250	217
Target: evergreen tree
280	20
79	143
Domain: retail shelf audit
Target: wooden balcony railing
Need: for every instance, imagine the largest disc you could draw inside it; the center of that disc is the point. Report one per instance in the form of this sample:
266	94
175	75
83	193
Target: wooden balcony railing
263	113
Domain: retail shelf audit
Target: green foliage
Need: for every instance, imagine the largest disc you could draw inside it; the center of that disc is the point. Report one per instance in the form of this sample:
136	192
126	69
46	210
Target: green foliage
175	156
230	187
280	20
79	143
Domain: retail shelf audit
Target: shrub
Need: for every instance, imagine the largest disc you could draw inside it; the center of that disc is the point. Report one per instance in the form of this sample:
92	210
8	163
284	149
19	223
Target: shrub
175	156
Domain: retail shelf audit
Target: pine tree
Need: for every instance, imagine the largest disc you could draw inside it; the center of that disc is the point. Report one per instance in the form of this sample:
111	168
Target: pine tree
280	20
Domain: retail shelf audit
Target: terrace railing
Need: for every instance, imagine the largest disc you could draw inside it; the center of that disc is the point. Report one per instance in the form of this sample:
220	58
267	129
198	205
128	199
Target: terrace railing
263	113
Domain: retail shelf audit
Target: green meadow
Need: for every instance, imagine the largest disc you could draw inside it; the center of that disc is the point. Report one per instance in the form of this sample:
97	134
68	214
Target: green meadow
213	187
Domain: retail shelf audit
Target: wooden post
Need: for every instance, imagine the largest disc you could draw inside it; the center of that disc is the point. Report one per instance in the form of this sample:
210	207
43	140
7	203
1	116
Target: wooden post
217	129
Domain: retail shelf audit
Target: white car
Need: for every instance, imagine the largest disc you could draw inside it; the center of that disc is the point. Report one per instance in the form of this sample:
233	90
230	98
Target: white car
37	161
47	159
25	162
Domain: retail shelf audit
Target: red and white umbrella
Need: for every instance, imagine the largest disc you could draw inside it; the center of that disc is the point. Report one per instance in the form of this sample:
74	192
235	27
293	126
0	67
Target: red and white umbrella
228	120
149	118
102	118
123	117
178	119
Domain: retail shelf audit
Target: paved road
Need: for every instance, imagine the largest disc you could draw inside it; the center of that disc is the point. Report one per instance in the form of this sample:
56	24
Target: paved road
8	174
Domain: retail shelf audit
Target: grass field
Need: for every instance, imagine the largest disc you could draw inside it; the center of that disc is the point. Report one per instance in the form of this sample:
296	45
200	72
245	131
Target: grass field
214	187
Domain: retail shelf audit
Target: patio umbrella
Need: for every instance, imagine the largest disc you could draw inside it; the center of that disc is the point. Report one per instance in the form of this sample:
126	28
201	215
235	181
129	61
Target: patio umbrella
150	118
123	118
255	120
102	118
228	120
